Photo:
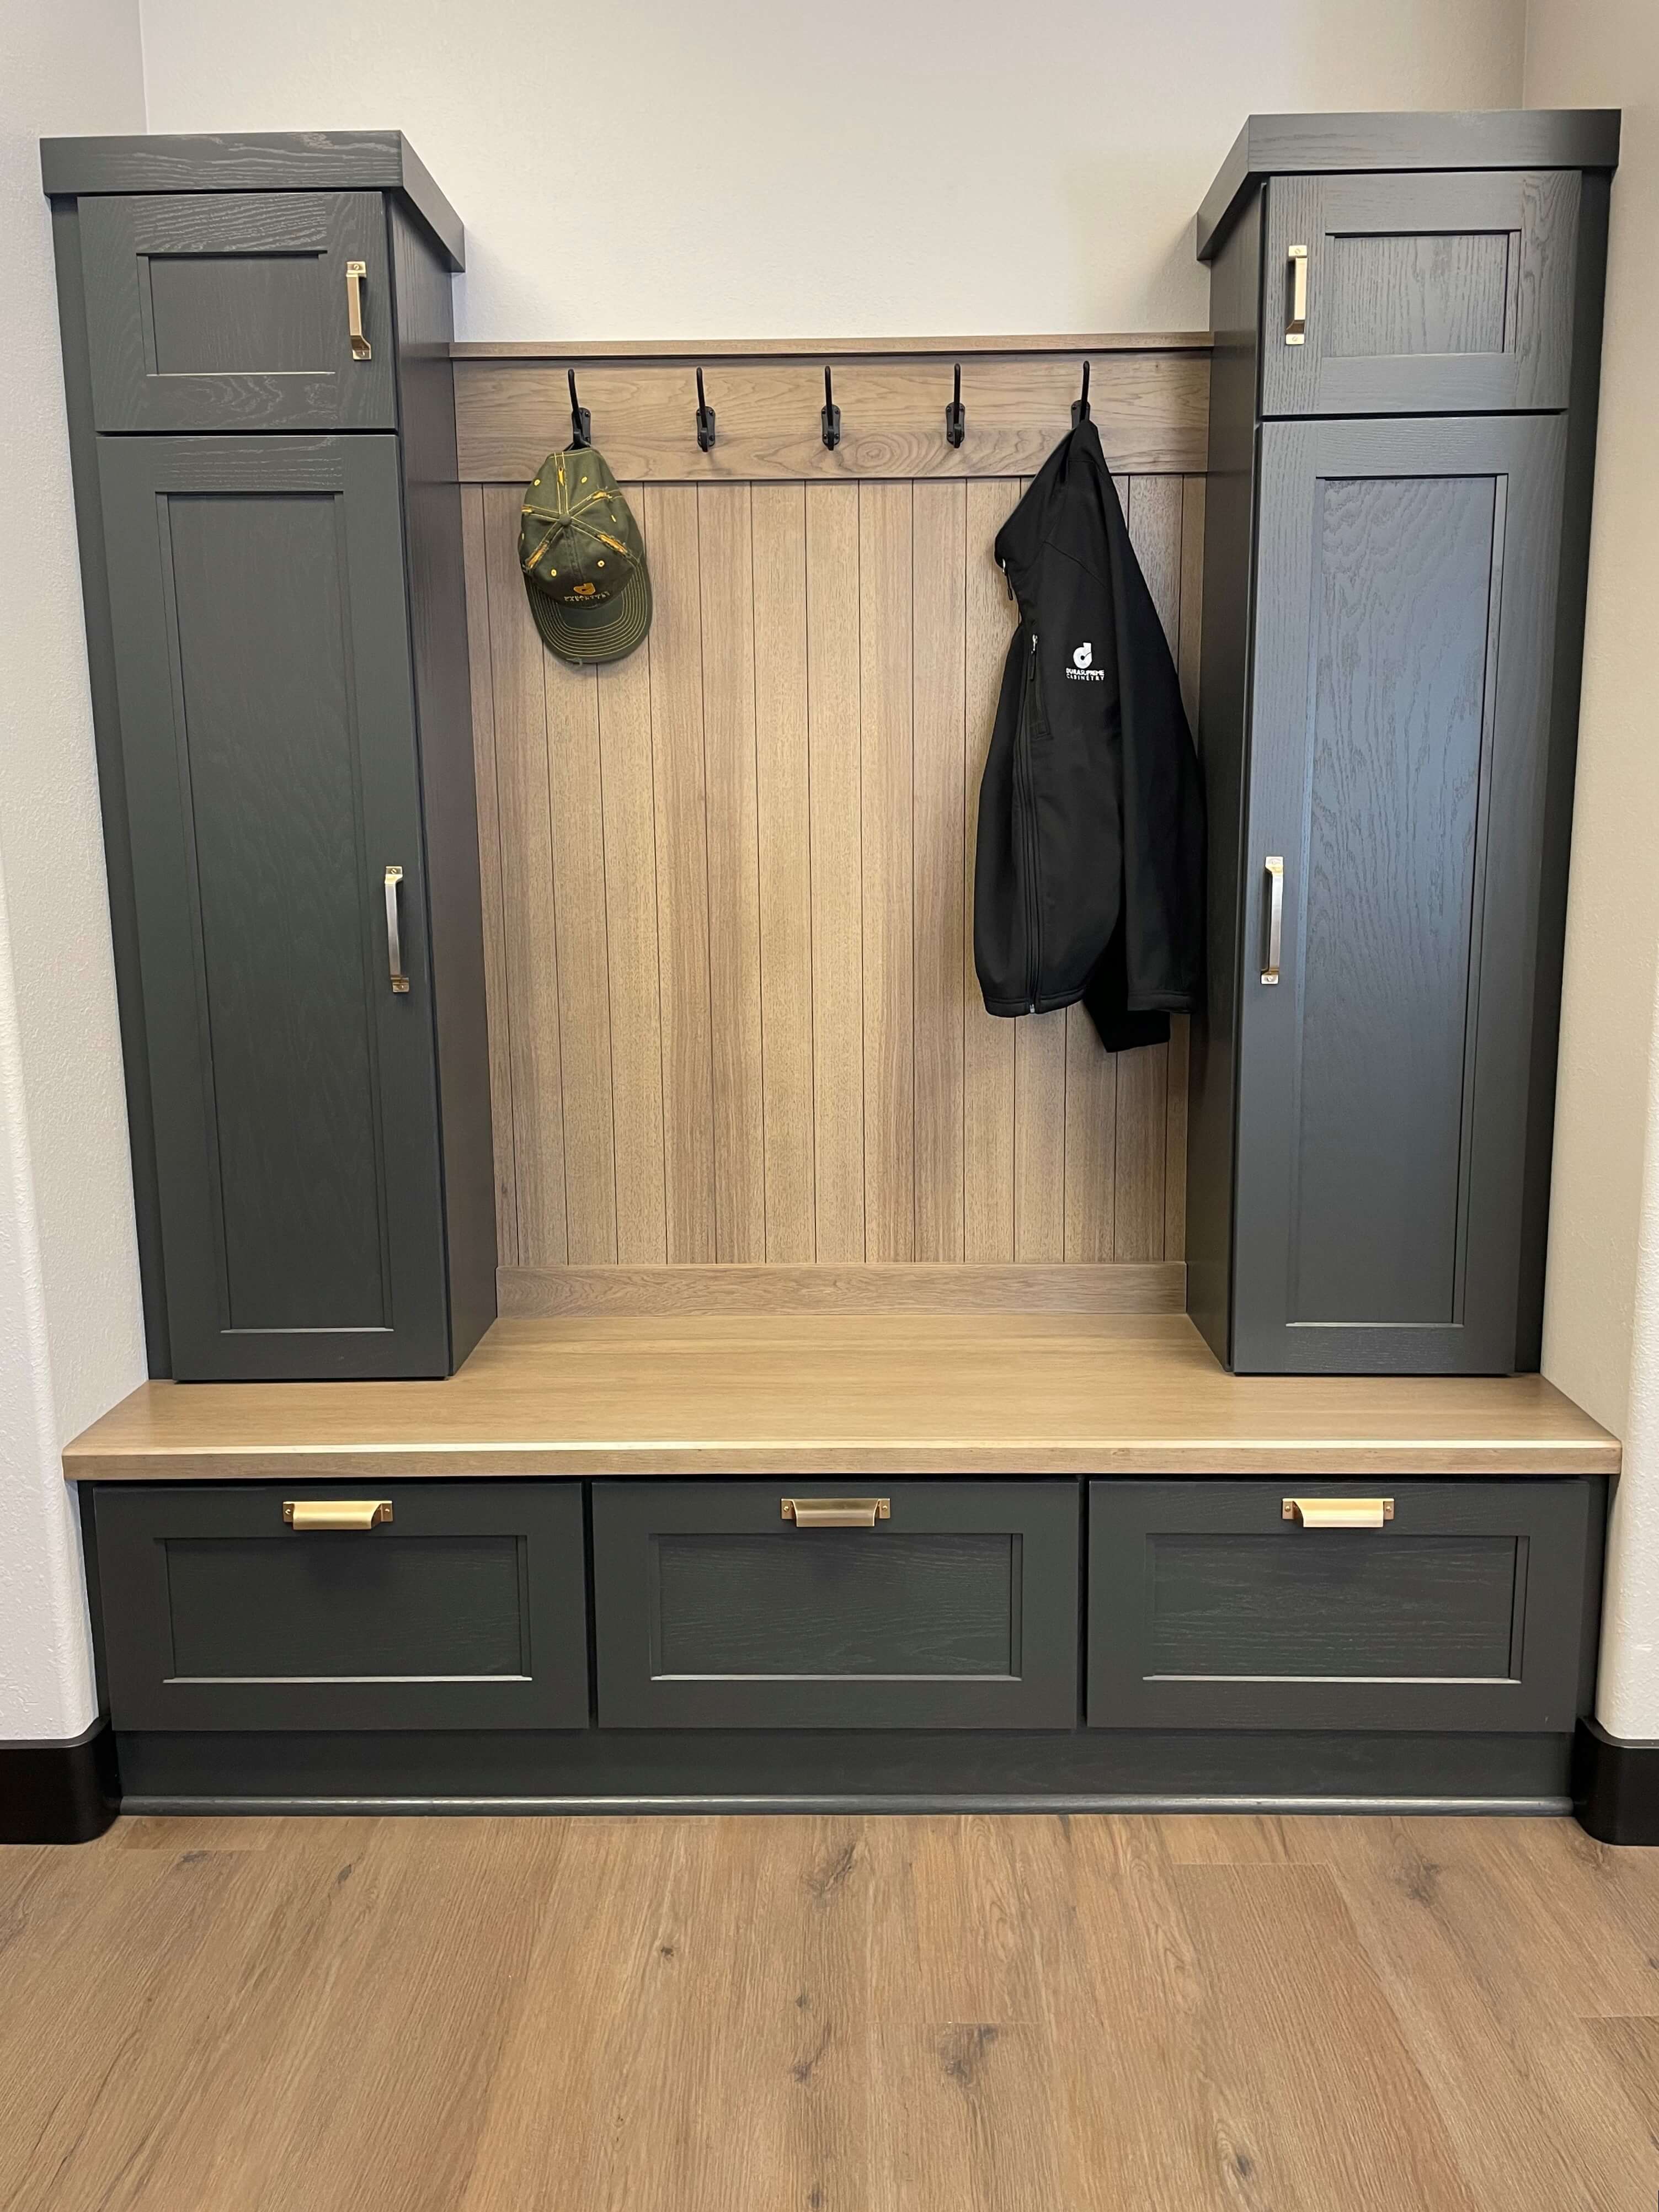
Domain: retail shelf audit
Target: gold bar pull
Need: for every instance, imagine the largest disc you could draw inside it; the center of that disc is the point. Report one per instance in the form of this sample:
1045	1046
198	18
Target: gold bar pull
356	277
1295	330
335	1512
394	939
1337	1512
1274	864
837	1512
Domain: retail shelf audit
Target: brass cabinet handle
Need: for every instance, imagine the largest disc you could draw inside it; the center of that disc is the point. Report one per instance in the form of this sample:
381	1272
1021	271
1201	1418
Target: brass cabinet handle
335	1512
1337	1512
356	277
837	1512
1274	864
1295	330
394	938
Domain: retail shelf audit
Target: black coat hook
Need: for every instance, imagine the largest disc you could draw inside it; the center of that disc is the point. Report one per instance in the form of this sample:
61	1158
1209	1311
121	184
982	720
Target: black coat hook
581	428
955	416
1080	407
705	419
831	416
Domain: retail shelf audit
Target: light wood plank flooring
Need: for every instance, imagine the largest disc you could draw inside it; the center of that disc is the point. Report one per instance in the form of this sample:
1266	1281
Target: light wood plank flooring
838	2014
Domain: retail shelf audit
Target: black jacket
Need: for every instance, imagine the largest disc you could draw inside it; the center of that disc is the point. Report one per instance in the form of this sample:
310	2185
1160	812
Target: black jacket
1089	876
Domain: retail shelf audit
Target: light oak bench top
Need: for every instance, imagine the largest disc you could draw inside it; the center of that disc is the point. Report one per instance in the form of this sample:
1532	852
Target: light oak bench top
864	1394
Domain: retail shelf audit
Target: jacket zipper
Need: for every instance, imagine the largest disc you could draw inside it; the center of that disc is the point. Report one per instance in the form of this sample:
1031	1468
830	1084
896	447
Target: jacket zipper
1026	786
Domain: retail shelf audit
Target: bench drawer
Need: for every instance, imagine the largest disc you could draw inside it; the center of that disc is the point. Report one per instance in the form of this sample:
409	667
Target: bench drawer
1469	1609
467	1608
957	1609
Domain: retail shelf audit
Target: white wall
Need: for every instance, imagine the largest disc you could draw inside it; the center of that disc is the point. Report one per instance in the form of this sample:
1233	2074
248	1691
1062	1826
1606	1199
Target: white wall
1601	1322
70	1335
671	168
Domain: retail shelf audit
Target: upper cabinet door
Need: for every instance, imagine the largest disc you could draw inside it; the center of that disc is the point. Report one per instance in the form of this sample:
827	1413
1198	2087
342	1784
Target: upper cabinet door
235	311
1406	588
1423	294
261	640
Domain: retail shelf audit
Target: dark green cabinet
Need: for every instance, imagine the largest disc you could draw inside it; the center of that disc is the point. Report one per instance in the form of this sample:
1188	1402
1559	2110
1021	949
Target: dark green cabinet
234	311
1405	593
1224	1605
956	1607
263	434
267	718
446	1606
1407	319
1422	294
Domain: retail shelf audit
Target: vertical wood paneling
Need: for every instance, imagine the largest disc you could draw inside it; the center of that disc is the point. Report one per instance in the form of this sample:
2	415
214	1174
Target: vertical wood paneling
1192	593
832	662
670	524
1091	1140
784	831
630	896
578	836
987	1043
728	888
938	670
490	872
734	953
885	680
532	938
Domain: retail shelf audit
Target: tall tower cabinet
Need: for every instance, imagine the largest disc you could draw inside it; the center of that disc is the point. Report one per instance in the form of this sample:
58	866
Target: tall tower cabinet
256	337
1408	316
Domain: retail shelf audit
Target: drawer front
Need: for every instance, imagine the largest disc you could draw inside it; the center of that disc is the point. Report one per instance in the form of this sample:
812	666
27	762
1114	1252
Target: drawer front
1468	1609
231	311
957	1610
467	1608
1431	293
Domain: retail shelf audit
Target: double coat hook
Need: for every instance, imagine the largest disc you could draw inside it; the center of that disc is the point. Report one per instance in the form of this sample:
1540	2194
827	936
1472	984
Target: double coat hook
830	417
955	416
581	427
1080	406
705	419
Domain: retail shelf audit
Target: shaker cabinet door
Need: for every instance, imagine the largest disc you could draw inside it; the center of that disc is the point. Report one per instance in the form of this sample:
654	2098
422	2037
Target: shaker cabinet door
1406	592
268	740
1425	294
234	311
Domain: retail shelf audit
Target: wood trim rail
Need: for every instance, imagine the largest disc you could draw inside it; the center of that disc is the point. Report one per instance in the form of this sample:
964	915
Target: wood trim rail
821	349
1153	1287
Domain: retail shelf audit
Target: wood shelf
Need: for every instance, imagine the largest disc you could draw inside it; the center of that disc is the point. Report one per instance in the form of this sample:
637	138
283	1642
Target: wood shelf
825	1394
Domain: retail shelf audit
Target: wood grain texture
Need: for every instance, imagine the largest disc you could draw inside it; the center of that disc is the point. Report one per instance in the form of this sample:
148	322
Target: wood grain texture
1150	409
893	1286
734	920
818	1392
853	2014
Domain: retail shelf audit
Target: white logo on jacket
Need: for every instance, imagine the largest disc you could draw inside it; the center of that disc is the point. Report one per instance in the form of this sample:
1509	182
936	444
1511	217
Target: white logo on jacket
1080	671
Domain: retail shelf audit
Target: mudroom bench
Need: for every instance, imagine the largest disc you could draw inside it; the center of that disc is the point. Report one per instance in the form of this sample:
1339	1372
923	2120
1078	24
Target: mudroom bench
956	1559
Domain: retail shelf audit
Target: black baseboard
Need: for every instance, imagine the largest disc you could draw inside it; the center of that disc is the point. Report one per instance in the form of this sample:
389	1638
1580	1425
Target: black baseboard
1615	1786
886	1771
59	1793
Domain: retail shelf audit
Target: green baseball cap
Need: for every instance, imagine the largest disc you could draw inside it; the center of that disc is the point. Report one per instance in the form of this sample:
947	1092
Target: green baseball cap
583	560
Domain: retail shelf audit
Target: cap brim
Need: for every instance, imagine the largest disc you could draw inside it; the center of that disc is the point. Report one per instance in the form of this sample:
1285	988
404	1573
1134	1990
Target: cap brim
608	632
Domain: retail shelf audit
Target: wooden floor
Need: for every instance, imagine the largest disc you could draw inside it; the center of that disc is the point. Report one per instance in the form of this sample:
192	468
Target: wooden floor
838	2014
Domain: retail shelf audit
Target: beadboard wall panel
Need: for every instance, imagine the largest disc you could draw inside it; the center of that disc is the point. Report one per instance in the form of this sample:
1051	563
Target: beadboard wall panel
728	890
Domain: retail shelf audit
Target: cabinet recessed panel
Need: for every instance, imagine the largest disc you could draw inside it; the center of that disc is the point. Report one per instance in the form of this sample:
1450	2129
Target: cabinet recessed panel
214	315
269	764
1414	293
1400	662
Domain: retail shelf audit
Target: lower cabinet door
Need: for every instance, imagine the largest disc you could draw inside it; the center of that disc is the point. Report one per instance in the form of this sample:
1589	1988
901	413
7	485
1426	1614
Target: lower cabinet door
750	1605
1464	1605
409	1605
